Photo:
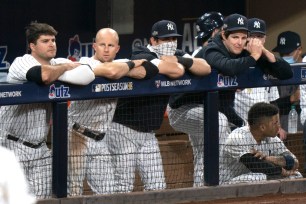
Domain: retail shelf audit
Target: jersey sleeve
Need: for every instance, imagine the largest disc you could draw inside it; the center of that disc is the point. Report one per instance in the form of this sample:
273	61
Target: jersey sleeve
238	144
81	75
19	68
90	61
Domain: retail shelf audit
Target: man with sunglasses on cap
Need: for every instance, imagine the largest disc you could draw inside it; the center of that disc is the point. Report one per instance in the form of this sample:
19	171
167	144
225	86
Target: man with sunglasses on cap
245	98
132	138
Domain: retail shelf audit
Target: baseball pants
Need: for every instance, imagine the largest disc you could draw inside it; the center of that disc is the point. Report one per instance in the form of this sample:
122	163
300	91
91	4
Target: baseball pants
132	149
190	119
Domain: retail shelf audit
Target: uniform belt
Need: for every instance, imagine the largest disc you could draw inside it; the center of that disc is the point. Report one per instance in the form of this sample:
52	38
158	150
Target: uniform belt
28	144
88	133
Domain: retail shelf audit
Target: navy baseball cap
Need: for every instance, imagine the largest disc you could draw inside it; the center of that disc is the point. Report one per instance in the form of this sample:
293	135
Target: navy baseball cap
164	29
287	42
256	25
235	22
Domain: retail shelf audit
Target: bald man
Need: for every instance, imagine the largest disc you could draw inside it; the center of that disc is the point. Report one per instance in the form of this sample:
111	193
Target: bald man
89	119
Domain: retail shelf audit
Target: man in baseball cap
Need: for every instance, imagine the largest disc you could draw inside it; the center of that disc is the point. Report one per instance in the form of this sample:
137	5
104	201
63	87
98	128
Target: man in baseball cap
287	42
289	48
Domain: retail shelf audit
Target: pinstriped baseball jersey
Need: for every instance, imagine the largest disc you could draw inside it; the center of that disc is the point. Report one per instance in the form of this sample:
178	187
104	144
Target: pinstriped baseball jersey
28	122
240	142
94	114
21	65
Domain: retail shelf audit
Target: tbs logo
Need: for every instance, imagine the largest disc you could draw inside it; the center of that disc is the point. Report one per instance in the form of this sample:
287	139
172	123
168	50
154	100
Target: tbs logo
58	92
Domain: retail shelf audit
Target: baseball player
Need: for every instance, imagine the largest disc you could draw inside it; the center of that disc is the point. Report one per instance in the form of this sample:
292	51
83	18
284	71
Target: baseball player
289	47
245	98
89	119
186	110
225	52
255	153
131	136
24	128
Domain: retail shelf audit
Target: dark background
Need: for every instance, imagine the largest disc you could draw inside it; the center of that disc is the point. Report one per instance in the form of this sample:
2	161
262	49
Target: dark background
82	17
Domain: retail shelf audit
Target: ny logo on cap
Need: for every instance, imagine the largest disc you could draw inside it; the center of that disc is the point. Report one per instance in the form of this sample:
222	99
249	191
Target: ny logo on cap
170	26
256	24
282	41
240	21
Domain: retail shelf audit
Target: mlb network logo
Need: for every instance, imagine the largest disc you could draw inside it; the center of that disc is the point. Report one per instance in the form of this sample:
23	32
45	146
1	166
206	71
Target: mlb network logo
58	92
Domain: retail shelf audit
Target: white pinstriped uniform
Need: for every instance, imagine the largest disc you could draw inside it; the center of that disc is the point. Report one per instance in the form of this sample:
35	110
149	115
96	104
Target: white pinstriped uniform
240	142
29	122
190	119
248	97
88	157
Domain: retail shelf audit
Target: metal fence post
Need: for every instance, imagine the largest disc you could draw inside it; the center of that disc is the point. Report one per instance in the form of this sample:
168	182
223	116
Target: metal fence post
59	149
211	139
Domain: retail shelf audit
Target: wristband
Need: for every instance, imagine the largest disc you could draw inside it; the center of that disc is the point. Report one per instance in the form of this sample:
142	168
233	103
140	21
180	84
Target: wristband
289	162
186	62
151	69
130	64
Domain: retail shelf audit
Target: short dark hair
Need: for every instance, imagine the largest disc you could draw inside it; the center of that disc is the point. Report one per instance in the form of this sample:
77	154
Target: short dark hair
260	111
34	30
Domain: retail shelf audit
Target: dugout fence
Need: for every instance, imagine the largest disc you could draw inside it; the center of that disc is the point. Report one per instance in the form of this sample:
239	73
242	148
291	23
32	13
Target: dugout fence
59	95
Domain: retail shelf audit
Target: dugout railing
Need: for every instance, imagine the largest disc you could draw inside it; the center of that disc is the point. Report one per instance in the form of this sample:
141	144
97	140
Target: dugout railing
59	93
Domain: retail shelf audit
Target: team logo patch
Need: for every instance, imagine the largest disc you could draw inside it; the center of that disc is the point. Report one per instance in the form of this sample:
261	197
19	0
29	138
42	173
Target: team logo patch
58	92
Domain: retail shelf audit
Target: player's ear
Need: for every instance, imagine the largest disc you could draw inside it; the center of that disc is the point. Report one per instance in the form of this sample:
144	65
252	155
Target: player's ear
94	46
262	127
118	48
31	46
153	41
222	35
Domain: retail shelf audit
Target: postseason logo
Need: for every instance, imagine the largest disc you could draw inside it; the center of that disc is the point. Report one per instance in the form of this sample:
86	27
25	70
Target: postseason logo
121	86
58	92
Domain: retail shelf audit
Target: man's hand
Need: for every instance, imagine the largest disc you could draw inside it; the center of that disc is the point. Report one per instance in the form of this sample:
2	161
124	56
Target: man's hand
258	154
286	173
282	133
254	47
70	65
